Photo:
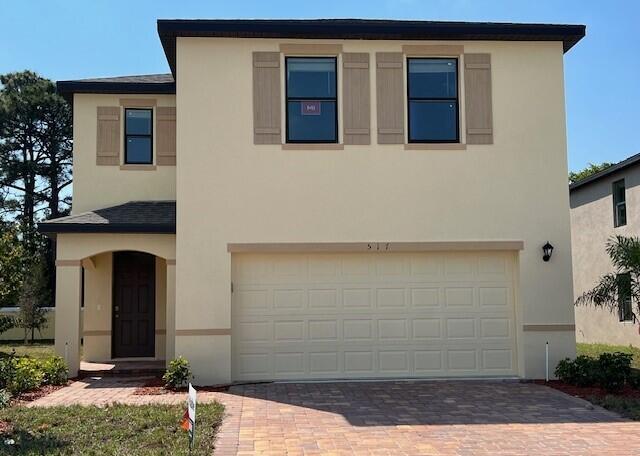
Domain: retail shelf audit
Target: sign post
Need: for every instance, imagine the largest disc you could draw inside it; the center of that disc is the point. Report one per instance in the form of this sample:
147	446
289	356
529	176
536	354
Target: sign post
191	410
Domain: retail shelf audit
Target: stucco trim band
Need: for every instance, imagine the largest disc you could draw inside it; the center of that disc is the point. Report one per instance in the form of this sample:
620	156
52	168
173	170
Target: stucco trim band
61	263
107	332
373	247
557	327
313	146
171	262
435	50
310	49
138	102
204	332
435	146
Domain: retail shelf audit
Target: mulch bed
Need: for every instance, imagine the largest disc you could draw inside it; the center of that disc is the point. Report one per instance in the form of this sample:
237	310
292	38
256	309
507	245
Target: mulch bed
585	392
155	387
31	396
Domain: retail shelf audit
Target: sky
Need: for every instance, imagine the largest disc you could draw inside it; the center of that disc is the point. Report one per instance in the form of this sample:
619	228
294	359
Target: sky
75	39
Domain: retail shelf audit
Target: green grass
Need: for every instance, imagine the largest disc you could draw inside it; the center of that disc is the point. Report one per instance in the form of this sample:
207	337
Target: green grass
39	349
594	350
114	430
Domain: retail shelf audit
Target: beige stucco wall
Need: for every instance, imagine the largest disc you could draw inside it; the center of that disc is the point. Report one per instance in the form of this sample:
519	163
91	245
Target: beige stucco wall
514	189
592	226
95	187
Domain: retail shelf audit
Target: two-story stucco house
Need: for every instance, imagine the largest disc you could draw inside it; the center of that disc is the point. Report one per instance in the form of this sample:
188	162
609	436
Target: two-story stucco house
602	206
314	199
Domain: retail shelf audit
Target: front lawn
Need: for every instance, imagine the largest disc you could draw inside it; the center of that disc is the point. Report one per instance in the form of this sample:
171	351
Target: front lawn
39	349
118	429
594	350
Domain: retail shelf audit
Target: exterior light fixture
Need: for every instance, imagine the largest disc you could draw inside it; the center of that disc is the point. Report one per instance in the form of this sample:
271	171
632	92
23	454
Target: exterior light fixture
547	251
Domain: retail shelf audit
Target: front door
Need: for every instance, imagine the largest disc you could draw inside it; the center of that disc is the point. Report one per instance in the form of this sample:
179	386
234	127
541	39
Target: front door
134	299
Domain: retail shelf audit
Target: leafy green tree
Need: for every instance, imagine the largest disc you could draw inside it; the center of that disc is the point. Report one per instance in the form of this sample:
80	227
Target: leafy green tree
624	283
34	296
12	263
591	169
6	323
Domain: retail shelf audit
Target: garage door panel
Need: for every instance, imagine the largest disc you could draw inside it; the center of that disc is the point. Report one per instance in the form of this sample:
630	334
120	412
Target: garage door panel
374	315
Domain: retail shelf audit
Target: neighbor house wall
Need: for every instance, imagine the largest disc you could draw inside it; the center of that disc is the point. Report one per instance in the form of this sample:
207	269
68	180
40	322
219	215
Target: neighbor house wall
591	227
17	334
98	186
514	189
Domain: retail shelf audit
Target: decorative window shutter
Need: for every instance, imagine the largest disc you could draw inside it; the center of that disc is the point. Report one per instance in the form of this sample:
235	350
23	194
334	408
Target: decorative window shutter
390	96
477	91
356	105
166	135
108	136
266	98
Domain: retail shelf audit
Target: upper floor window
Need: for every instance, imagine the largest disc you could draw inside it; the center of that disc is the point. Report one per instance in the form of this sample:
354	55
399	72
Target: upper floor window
311	102
625	312
138	136
619	204
432	87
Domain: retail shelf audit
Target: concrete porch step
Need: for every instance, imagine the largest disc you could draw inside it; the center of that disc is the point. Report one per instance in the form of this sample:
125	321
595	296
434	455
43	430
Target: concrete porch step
122	368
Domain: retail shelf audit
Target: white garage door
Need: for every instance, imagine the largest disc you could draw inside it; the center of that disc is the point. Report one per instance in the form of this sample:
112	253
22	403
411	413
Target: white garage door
314	316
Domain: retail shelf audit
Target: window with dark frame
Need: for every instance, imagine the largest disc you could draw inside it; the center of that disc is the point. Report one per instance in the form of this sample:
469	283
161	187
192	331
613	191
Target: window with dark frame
619	204
625	312
138	136
311	100
432	100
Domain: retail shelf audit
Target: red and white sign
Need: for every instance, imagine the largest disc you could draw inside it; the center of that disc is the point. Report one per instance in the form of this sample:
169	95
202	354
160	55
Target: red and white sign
310	108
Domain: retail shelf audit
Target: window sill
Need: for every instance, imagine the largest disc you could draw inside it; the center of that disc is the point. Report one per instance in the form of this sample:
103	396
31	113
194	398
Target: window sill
312	146
137	167
435	146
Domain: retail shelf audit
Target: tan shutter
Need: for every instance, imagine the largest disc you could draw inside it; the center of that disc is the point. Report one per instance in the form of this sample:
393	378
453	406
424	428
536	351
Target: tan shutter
108	137
390	97
356	93
166	135
266	98
477	101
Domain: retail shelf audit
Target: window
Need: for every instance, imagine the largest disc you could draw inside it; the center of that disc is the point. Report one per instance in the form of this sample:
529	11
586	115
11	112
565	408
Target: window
624	297
138	140
432	86
619	204
311	100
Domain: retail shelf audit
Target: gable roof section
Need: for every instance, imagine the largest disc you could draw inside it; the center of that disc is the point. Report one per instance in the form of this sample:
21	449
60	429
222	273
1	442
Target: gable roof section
361	29
131	217
634	159
140	84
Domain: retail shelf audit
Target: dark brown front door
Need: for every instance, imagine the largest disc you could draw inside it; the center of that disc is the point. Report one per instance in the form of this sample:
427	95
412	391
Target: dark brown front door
134	303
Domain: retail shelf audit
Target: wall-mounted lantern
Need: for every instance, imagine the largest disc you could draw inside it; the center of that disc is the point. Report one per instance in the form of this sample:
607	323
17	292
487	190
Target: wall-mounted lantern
547	251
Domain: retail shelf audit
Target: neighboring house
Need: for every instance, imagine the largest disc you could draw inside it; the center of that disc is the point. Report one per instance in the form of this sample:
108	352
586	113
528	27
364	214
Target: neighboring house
603	205
324	199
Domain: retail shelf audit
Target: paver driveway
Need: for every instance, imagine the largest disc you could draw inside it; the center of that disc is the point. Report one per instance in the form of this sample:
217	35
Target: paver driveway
419	418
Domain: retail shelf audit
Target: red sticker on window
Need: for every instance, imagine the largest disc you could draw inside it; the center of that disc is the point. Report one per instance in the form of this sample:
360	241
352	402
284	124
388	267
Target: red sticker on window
310	108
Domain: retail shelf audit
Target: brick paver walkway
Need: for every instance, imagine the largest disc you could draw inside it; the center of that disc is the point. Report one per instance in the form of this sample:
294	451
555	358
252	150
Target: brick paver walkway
393	418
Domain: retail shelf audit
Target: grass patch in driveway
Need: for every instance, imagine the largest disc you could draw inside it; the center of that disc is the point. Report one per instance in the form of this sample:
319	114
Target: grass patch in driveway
628	407
113	430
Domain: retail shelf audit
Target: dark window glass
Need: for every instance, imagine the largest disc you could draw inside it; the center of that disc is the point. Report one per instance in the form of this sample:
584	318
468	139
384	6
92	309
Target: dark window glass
433	100
138	136
311	99
619	204
624	297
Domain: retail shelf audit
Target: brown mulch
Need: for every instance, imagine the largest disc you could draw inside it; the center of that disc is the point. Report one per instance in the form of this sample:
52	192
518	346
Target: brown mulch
155	387
585	392
31	396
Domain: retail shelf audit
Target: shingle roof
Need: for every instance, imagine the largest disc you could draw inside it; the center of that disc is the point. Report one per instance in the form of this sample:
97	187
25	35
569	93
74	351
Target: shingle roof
605	172
131	217
362	29
144	83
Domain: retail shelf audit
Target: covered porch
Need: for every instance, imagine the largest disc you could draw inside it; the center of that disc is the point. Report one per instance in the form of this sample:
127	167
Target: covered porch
115	284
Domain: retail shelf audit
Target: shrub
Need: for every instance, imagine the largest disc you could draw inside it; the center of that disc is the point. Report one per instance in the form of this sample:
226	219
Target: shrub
5	398
615	370
28	376
7	370
178	373
582	371
634	378
54	371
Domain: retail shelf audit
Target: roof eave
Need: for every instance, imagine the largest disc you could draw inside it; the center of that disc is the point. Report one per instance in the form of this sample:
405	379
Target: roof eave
56	228
68	88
